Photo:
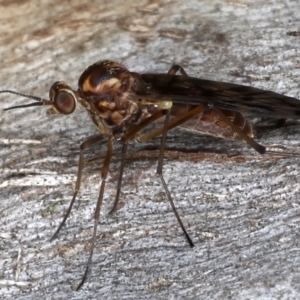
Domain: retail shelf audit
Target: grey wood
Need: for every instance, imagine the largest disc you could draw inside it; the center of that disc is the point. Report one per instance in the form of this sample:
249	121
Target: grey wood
241	209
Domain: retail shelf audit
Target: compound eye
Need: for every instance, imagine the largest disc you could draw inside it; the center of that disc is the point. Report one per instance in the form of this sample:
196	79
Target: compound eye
63	97
65	102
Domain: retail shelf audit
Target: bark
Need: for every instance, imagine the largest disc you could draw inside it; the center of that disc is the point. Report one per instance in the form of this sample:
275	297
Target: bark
241	209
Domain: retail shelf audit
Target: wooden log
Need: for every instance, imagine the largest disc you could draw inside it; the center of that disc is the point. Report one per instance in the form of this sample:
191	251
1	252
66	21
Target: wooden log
241	209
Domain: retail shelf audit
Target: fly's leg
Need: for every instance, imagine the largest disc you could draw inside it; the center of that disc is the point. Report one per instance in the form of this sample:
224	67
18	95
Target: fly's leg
162	179
90	141
104	172
126	137
105	167
119	184
161	131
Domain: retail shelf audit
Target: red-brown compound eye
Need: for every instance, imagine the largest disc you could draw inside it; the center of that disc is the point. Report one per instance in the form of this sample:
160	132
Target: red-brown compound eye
63	97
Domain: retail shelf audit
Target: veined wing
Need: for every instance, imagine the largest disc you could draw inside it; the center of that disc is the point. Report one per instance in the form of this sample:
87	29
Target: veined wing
195	91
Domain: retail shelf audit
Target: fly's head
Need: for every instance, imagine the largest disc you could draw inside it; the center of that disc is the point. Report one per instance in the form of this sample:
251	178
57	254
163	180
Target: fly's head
105	80
103	89
62	99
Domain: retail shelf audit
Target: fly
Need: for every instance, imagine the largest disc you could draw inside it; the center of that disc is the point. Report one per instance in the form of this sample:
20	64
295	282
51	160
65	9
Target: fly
122	104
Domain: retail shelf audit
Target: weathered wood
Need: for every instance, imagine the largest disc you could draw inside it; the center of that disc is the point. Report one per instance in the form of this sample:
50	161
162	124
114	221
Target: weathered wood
241	209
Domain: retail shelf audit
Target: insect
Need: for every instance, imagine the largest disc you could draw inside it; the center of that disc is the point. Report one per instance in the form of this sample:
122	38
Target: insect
122	104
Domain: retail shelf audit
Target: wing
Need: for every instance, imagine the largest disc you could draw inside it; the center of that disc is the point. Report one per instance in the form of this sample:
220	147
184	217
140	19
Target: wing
194	91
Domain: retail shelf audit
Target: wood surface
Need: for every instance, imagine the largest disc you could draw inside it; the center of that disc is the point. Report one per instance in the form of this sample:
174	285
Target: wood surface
241	209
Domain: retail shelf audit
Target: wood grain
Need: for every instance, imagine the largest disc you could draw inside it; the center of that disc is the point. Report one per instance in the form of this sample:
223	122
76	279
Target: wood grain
241	209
